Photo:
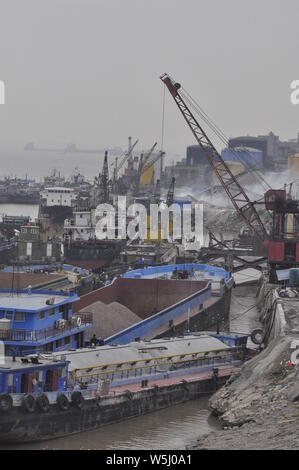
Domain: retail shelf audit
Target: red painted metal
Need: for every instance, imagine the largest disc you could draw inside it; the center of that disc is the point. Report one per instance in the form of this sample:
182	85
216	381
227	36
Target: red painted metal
230	184
276	251
55	380
275	198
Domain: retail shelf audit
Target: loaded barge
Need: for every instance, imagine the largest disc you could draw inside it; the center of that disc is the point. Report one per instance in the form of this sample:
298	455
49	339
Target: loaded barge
161	302
50	396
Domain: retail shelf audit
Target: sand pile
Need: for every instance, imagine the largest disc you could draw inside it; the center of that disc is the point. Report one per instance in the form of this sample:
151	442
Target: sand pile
109	319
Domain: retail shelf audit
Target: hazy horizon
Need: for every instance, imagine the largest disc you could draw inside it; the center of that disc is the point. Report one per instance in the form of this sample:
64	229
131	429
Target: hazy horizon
87	71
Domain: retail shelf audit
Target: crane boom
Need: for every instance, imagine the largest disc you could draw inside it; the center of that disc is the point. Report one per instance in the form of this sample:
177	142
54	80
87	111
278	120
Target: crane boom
147	156
153	161
126	157
229	182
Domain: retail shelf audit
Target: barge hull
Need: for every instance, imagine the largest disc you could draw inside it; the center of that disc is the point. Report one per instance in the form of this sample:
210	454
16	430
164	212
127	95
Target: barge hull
19	426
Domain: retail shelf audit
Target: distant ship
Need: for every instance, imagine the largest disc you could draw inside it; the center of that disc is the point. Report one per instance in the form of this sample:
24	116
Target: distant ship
57	203
81	248
72	148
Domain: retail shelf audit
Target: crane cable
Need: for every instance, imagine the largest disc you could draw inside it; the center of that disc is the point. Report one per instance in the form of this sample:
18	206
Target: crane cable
221	136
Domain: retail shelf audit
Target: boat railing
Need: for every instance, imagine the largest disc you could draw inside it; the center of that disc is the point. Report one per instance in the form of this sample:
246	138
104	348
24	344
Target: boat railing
124	372
78	321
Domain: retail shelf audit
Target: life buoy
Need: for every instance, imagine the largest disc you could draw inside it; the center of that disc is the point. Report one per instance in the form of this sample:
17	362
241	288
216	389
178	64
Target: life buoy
257	336
6	402
79	321
29	403
43	403
77	399
63	402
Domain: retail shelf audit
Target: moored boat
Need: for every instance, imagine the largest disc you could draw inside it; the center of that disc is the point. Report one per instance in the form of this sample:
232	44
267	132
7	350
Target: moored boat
50	396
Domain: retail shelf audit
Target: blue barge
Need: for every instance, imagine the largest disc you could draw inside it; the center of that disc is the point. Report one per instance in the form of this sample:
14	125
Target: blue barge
35	321
53	395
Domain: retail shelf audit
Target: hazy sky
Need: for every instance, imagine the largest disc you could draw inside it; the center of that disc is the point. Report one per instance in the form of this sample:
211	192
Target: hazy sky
87	71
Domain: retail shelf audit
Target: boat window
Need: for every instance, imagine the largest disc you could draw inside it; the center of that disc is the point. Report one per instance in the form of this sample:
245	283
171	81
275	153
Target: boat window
49	381
24	383
9	315
51	312
62	308
19	317
41	315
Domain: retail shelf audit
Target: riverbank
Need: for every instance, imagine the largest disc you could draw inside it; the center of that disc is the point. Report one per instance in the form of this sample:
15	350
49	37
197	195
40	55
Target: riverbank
259	408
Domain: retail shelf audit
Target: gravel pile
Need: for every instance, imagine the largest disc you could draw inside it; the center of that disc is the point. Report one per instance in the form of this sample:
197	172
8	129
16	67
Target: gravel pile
109	319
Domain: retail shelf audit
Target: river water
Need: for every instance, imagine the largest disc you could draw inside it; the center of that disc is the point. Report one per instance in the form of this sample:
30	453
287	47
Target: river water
169	429
172	428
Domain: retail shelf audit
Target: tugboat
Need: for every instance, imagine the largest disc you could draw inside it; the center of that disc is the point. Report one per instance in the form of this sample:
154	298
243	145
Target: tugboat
50	396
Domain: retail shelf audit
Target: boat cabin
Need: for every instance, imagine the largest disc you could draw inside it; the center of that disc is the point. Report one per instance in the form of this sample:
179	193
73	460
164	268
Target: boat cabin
35	321
32	375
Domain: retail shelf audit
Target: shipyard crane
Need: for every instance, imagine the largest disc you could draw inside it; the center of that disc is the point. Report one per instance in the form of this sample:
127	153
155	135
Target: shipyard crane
152	162
170	193
127	155
155	199
229	182
283	247
104	180
147	156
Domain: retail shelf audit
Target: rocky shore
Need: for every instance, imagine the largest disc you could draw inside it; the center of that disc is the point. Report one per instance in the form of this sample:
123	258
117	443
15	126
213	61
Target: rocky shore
259	407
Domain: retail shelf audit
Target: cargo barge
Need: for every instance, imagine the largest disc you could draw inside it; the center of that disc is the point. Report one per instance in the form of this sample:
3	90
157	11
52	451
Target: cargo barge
50	396
159	303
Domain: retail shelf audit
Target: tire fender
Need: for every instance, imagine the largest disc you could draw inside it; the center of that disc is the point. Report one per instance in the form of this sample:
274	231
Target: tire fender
6	402
29	403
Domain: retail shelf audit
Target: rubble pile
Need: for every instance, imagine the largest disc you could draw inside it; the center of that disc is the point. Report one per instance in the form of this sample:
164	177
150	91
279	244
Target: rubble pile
259	407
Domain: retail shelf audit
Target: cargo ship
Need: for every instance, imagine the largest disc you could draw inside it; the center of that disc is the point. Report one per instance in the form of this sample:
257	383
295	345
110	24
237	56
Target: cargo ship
57	204
82	248
56	395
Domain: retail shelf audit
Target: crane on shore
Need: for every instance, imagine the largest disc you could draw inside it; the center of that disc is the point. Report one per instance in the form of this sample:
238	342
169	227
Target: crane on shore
282	246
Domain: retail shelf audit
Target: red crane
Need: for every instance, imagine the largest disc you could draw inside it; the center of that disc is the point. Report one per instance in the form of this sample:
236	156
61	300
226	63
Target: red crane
283	248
